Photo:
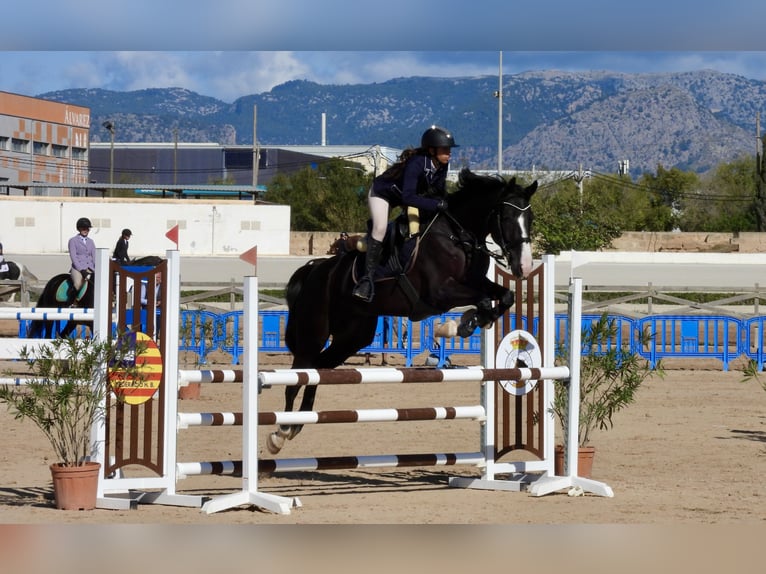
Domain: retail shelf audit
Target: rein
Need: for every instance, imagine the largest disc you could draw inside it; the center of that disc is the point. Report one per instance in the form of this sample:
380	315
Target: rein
460	238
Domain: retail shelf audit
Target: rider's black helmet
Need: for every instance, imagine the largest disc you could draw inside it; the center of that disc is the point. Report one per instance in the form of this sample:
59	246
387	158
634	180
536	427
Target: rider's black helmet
83	223
437	137
127	232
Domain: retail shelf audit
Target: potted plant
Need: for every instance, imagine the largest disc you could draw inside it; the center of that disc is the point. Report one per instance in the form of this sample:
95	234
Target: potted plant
609	380
64	395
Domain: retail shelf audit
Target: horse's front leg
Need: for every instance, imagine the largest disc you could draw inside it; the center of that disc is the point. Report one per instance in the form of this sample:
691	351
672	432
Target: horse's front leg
485	313
474	318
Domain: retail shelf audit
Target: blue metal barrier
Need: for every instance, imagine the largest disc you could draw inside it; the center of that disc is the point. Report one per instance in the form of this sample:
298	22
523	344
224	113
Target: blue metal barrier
752	340
696	336
199	333
624	337
392	336
671	336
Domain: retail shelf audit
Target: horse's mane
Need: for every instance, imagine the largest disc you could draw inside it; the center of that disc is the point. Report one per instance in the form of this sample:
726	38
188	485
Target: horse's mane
472	187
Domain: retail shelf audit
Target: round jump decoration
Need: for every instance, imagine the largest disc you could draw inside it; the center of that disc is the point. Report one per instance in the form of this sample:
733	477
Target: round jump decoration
138	381
518	349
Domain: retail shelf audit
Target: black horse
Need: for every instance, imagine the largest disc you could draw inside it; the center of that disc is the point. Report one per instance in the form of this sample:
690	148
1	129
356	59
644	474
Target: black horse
447	268
9	270
56	293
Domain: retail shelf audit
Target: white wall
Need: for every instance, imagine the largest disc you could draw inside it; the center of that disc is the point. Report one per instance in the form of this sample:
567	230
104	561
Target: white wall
45	224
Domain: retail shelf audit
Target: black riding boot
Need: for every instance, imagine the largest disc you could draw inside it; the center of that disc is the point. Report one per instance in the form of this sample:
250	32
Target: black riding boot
71	296
365	289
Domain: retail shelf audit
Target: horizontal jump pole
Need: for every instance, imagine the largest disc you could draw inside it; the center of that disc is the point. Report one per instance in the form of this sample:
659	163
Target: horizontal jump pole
210	376
12	348
270	466
45	314
290	377
474	412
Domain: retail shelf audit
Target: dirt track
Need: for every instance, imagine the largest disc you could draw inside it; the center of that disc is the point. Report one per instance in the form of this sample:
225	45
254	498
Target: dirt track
692	450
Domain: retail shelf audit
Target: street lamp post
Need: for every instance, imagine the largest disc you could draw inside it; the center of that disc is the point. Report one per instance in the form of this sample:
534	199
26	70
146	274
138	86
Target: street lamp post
109	126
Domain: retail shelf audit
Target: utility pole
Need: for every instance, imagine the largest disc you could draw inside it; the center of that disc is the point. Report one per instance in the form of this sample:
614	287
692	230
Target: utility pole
760	170
578	177
256	153
500	115
175	156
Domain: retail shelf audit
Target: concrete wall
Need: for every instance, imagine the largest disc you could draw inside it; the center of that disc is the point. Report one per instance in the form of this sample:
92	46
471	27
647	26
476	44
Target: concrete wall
39	225
749	242
45	224
318	242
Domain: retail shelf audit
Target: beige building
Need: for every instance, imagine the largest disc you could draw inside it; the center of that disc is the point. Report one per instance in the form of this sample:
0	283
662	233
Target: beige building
42	142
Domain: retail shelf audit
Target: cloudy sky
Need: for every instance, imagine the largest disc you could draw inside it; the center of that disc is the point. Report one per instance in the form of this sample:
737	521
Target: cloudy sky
233	48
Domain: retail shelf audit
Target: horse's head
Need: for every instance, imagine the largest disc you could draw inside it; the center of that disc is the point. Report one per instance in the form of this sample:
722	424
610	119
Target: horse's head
510	225
489	204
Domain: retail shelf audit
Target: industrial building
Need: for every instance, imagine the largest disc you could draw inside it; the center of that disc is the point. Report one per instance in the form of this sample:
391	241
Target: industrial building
45	151
42	143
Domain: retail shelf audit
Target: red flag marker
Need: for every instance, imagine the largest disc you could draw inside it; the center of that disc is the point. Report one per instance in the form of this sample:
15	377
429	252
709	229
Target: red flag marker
172	234
251	256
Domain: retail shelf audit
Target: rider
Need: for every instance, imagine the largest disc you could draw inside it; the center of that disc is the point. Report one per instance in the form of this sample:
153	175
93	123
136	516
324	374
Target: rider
417	179
82	252
120	254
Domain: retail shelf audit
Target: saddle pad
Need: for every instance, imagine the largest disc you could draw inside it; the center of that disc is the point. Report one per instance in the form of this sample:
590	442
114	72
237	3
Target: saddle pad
63	290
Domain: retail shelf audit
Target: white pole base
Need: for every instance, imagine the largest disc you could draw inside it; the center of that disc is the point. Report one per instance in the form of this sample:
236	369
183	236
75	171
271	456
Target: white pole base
270	502
576	486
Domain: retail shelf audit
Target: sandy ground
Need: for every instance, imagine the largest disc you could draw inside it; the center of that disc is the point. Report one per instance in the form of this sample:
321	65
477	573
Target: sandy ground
692	450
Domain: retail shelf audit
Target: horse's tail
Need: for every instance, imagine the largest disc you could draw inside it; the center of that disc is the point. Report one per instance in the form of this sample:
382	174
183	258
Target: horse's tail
302	296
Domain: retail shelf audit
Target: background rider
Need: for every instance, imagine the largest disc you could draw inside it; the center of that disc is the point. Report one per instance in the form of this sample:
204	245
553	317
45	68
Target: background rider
82	253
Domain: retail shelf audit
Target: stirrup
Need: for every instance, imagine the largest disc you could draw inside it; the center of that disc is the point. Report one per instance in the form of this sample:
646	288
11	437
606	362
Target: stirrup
365	289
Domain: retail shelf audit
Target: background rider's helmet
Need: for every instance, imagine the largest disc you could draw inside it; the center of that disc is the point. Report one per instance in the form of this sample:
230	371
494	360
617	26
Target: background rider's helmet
437	137
83	223
127	232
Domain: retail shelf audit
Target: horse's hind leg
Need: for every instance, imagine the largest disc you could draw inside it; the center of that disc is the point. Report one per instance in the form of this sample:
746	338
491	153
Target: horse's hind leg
276	440
342	347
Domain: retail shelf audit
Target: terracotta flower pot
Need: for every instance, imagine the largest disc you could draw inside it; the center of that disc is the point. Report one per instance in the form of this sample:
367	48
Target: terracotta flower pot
584	461
75	487
190	391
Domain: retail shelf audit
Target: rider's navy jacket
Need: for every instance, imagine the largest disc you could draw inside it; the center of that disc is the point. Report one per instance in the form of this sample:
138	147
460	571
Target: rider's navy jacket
419	177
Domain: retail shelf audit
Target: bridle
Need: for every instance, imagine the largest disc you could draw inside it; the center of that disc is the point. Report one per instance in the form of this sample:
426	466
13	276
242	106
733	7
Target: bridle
494	215
505	246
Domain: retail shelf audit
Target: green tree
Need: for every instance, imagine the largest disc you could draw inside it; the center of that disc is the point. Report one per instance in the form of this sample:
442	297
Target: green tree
725	202
565	219
330	197
667	188
628	205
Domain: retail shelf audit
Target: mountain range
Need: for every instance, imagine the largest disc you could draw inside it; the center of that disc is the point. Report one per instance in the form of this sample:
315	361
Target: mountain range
551	120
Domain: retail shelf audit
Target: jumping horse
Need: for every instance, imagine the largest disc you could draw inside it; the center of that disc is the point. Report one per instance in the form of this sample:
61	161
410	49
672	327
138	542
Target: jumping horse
446	268
56	293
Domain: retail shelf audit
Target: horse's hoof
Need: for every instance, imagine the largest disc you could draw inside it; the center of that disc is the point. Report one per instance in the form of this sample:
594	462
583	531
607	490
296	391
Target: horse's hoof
465	331
468	323
275	442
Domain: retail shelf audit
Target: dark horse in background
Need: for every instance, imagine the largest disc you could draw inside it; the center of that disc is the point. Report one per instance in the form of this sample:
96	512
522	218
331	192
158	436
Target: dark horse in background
447	269
56	293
